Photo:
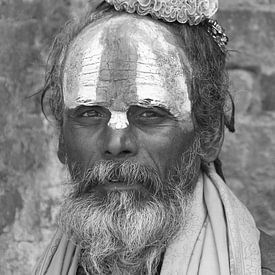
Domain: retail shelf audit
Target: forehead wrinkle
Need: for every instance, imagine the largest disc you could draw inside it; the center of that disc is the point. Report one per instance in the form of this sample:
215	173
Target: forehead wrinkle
81	71
163	37
122	70
118	67
160	74
163	42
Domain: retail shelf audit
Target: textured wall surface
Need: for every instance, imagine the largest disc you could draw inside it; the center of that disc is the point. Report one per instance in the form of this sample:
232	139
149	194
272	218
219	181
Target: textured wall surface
249	154
30	175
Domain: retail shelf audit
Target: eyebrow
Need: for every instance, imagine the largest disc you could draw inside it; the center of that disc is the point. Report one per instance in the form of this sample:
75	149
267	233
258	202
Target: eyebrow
90	102
144	103
150	103
154	105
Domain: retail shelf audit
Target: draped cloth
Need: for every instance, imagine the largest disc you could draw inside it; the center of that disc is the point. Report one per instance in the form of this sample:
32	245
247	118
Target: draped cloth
219	238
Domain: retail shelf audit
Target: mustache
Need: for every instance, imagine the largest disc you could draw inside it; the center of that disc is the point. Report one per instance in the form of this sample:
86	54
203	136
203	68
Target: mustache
110	171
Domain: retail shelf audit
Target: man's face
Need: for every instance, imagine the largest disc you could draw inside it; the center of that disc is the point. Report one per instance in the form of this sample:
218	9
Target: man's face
129	142
126	97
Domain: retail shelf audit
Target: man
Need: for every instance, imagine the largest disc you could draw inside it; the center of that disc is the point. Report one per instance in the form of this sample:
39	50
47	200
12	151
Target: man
140	107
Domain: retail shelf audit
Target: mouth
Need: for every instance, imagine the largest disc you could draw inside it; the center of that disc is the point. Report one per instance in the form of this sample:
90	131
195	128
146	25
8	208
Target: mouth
119	186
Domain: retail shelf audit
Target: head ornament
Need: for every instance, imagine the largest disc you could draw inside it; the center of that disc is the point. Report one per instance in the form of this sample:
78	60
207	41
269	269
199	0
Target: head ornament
192	12
217	32
182	11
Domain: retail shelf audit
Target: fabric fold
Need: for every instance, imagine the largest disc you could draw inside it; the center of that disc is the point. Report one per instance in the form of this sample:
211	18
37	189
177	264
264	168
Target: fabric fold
60	257
228	242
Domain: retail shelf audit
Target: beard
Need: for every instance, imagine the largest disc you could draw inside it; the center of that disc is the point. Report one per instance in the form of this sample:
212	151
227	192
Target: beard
126	231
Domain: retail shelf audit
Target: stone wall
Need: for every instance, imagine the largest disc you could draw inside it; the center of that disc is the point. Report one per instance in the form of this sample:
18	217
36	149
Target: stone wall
29	172
30	175
249	154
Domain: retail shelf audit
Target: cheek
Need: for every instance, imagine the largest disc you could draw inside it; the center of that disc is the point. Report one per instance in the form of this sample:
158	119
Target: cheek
166	148
81	144
177	144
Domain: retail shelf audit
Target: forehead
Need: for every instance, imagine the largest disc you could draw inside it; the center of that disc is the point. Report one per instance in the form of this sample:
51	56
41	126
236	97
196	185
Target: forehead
122	60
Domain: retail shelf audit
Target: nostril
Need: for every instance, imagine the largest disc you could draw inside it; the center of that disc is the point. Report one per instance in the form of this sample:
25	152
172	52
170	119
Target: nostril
126	152
118	144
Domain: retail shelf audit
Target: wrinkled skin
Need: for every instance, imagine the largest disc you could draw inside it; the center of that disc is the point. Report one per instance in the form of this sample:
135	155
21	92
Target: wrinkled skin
126	93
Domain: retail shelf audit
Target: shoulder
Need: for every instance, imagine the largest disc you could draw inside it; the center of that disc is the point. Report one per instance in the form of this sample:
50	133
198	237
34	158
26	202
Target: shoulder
267	246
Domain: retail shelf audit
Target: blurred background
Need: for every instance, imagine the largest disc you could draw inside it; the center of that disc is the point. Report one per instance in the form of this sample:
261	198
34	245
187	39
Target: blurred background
30	175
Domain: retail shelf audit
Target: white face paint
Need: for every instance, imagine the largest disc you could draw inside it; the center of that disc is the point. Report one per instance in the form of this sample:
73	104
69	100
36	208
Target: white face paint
118	120
125	61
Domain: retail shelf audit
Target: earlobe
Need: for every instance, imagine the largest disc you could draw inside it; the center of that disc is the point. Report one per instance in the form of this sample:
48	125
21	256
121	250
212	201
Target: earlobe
61	150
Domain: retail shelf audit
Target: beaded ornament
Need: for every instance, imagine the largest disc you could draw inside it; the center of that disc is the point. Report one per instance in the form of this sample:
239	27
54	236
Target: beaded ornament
217	32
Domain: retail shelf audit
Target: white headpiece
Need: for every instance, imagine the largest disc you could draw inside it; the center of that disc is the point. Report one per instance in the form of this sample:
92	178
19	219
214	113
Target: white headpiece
182	11
192	12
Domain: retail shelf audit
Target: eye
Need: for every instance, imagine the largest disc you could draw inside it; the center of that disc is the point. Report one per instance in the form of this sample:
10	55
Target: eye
143	116
150	114
91	113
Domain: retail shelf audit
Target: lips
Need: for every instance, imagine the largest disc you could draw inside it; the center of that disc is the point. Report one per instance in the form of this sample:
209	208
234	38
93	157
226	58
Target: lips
118	185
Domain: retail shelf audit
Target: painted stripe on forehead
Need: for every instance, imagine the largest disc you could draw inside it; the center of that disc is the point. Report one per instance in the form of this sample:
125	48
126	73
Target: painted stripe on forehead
116	65
148	78
116	85
118	120
162	79
118	69
81	74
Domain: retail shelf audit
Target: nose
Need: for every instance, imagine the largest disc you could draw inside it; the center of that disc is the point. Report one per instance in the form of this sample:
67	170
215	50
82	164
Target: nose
119	143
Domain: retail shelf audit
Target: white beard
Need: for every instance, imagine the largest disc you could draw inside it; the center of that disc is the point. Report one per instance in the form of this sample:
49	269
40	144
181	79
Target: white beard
122	236
125	232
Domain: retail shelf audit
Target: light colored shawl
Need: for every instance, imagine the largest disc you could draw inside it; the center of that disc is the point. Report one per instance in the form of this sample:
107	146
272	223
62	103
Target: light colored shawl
220	238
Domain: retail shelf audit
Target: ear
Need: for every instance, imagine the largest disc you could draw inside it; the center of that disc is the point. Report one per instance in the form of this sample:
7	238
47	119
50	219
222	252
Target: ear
61	149
211	143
